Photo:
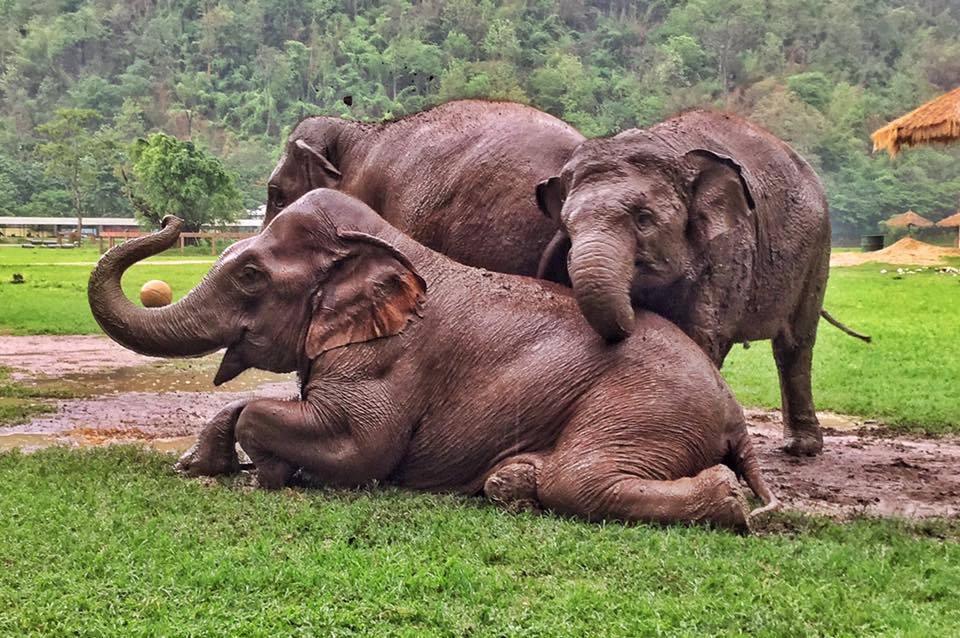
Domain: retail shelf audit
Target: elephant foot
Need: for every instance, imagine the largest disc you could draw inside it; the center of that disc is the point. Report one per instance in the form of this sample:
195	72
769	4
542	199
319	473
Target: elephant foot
808	442
206	460
514	487
274	474
723	501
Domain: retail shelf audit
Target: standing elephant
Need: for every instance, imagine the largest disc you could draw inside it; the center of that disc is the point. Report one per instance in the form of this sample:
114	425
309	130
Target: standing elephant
420	372
710	221
458	178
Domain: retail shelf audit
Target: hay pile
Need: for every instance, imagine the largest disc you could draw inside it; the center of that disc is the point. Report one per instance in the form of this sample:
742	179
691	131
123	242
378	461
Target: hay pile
906	251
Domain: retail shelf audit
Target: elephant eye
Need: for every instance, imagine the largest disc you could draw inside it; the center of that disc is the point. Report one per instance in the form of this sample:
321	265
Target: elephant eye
644	216
277	196
250	278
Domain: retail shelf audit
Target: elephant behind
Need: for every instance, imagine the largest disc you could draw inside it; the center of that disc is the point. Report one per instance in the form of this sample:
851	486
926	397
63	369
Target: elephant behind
459	177
710	221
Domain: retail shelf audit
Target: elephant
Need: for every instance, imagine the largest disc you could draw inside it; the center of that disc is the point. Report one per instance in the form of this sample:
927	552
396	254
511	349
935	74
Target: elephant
420	372
713	223
459	177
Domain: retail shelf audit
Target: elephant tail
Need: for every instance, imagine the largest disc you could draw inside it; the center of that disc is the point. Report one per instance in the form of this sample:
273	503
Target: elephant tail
853	333
743	461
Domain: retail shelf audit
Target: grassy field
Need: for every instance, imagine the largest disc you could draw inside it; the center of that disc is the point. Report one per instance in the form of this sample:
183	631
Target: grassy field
53	299
110	542
907	377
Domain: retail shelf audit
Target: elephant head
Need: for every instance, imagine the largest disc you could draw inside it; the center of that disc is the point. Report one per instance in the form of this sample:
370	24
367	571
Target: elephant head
312	281
309	161
637	215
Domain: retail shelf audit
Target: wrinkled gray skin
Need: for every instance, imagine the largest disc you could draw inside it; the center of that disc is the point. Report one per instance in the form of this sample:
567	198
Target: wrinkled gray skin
710	221
421	372
459	178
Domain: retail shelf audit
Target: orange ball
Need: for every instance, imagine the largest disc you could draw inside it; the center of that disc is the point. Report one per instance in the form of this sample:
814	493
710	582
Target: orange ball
156	293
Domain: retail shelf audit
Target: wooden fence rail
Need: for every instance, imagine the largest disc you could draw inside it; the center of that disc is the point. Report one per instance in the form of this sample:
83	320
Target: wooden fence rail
113	235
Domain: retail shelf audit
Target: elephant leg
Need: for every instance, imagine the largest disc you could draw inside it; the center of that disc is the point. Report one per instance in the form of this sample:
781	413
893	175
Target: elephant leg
711	320
801	429
282	437
513	484
793	352
215	451
711	497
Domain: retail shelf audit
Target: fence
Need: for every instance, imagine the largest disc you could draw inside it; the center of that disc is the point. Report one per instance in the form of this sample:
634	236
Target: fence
113	235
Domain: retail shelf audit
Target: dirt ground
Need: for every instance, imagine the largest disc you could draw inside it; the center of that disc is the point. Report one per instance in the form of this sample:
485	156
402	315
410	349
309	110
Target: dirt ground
907	251
123	397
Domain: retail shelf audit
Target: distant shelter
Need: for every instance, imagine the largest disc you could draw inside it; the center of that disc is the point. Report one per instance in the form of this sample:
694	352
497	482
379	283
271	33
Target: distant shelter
51	227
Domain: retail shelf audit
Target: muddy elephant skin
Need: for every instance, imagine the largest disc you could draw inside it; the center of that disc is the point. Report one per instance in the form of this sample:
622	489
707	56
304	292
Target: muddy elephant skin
710	221
458	178
420	372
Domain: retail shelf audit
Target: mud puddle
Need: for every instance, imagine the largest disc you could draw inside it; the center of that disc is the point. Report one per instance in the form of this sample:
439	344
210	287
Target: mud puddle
59	355
863	471
112	395
190	375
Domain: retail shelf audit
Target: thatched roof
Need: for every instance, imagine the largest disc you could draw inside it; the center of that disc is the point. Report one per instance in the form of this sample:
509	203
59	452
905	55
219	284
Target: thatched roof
908	218
953	221
936	122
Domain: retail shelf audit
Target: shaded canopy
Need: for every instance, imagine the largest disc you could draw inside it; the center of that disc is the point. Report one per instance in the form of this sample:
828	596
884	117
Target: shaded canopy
936	122
953	221
906	219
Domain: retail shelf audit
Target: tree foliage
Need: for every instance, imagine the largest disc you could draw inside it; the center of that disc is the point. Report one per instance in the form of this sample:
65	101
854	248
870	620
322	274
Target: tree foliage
77	156
173	177
234	76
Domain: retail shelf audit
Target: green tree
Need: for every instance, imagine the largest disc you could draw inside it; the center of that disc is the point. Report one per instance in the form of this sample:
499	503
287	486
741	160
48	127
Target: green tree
173	177
75	155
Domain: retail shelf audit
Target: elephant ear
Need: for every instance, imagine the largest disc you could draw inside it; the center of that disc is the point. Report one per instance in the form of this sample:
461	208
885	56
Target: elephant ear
372	291
550	196
721	198
321	172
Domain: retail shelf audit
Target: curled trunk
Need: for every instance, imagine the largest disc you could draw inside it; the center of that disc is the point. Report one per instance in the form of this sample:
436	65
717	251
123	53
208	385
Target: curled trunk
191	327
601	270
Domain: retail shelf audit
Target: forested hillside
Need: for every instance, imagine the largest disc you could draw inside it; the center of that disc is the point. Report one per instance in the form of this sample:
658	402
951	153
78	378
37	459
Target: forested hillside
235	76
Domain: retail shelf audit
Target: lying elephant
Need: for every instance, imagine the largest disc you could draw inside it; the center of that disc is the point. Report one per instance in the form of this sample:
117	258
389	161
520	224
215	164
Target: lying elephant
420	372
459	178
713	223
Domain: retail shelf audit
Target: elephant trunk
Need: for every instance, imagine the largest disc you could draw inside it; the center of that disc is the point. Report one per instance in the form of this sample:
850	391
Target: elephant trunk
601	270
191	327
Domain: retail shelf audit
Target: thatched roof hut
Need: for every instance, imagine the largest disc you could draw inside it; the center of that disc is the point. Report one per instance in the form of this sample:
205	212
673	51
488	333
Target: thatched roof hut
953	221
936	122
907	219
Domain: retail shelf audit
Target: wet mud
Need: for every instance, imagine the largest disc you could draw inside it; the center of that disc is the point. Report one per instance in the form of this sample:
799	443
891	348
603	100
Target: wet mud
862	472
121	397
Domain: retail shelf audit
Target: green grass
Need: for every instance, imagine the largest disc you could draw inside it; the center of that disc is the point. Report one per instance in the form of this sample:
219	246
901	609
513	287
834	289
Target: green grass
53	299
90	254
110	542
907	377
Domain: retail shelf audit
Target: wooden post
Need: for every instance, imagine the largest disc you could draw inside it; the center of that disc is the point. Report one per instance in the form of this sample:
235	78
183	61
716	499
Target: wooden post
181	243
213	245
100	241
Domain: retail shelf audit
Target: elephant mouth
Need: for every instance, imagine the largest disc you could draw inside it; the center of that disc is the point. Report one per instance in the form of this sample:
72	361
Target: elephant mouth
646	288
650	279
232	365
